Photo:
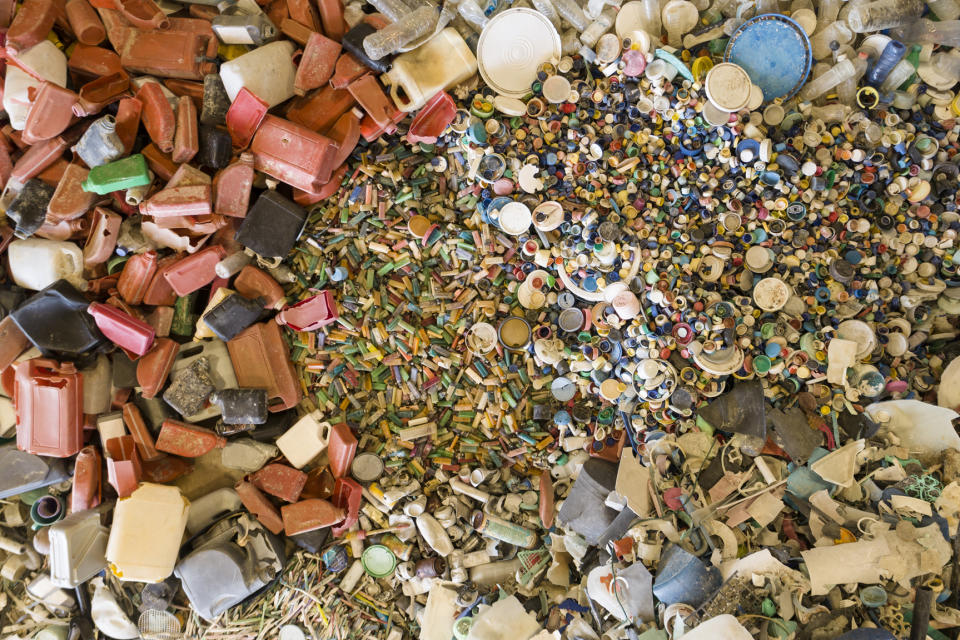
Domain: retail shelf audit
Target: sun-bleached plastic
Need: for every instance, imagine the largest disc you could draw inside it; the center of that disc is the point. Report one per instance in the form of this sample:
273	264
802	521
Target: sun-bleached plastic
96	386
395	35
945	9
678	17
883	14
108	616
100	143
543	6
470	11
570	11
268	72
77	547
900	73
146	533
923	31
392	9
305	440
598	27
36	263
444	61
843	70
820	42
723	626
47	63
847	90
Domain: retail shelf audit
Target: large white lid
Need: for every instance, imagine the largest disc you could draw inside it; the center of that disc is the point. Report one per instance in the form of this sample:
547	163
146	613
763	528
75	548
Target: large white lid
511	47
728	86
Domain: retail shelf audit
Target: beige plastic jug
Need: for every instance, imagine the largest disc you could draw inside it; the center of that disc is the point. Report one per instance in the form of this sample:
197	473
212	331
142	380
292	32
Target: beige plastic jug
442	62
36	263
147	530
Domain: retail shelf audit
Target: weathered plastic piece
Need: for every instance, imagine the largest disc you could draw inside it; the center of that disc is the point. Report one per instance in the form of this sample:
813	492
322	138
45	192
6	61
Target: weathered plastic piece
48	397
154	367
341	449
261	360
353	42
157	116
137	426
100	143
109	426
295	31
29	208
347	70
190	387
308	515
241	406
346	133
331	15
85	23
56	322
50	114
87	480
432	119
267	71
244	117
34	65
280	480
305	440
30	25
293	154
182	200
209	508
187	440
78	545
305	199
319	109
216	148
253	29
252	282
310	314
585	510
118	175
186	141
21	471
97	381
69	200
87	62
196	271
219	369
95	95
146	533
234	314
166	469
13	342
260	506
184	51
368	92
415	77
317	63
138	271
682	577
124	468
232	186
348	496
216	102
39	157
102	239
272	225
128	121
121	328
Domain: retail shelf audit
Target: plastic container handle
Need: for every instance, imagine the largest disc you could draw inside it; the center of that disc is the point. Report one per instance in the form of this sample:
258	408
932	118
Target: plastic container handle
394	93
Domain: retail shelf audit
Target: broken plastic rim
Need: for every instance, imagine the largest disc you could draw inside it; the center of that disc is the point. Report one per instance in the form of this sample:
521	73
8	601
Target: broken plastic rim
155	624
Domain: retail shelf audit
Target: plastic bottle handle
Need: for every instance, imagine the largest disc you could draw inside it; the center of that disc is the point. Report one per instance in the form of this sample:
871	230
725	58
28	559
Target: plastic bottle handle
397	99
75	262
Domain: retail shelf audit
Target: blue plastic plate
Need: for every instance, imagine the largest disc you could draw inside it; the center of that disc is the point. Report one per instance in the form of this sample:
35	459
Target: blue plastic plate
774	51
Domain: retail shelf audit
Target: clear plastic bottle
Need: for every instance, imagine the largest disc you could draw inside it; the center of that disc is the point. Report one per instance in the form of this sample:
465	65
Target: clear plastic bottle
569	42
900	73
820	42
413	25
945	9
827	12
923	31
651	17
883	14
392	9
843	70
570	11
471	12
547	9
598	27
847	90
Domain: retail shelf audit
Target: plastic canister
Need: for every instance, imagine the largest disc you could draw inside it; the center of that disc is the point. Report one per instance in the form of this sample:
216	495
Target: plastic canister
77	547
305	440
36	263
146	533
46	62
683	577
268	72
444	61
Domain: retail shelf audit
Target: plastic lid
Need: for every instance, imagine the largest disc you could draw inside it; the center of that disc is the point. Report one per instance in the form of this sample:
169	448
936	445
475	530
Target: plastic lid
728	87
509	106
563	389
771	294
378	561
511	48
548	215
556	89
630	18
758	259
291	632
774	51
715	116
366	467
515	218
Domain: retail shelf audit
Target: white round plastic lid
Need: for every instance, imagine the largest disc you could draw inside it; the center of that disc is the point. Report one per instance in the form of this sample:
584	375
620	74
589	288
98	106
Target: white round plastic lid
563	389
758	259
629	19
728	86
556	89
511	47
515	218
771	294
509	106
291	632
714	115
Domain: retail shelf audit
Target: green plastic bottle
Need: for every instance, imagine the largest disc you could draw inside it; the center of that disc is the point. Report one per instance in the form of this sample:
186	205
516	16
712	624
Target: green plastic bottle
117	176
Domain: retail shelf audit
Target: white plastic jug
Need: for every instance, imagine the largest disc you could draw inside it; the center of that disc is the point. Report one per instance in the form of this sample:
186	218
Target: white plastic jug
36	263
305	440
45	62
267	71
147	530
442	62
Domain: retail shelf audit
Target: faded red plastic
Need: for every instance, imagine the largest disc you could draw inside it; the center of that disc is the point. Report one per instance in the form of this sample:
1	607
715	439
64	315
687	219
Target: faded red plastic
159	162
369	93
190	200
102	239
187	440
87	480
293	154
121	328
260	506
159	292
546	499
317	63
297	32
310	314
232	186
244	117
303	12
70	201
186	141
161	319
347	70
253	283
124	469
157	115
346	133
309	515
66	230
189	88
93	62
50	114
137	427
39	157
48	398
193	272
30	25
166	469
331	15
13	342
280	480
341	449
138	272
182	51
371	130
85	23
143	14
305	199
319	109
261	361
347	495
154	367
97	94
432	119
128	121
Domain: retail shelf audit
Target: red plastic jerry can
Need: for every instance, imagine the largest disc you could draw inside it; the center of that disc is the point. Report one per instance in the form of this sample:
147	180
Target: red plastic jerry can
48	398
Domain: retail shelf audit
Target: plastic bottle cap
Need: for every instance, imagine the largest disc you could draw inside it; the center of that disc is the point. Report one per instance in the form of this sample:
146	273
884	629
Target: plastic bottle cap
758	259
511	48
515	218
509	106
378	561
563	389
771	294
291	632
728	87
714	115
556	89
